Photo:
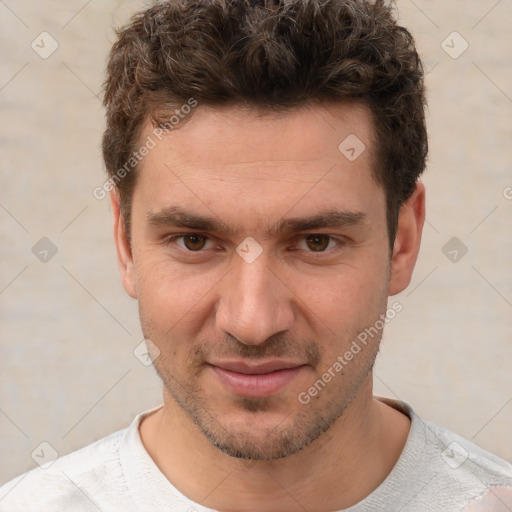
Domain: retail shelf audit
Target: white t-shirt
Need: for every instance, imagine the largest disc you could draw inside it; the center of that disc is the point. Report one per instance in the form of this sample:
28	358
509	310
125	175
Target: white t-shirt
437	471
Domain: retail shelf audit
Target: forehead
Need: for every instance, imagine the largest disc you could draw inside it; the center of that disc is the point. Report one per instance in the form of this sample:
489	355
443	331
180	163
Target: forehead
235	134
241	157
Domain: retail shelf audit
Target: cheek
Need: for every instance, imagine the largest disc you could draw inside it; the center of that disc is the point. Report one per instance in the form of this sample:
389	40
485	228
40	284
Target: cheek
352	296
171	300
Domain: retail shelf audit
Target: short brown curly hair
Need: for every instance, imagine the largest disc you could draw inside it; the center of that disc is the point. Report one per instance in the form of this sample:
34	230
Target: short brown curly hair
272	55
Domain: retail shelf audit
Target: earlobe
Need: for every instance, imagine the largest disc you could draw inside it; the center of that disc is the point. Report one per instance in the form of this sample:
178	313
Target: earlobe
123	249
408	240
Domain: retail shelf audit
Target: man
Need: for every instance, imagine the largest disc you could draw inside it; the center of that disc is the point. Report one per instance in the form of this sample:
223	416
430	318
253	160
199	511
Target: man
263	161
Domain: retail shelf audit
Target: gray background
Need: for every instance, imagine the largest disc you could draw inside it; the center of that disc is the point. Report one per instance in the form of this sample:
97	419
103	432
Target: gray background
68	372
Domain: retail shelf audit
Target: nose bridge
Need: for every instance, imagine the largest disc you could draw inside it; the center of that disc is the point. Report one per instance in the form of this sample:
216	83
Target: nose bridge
253	304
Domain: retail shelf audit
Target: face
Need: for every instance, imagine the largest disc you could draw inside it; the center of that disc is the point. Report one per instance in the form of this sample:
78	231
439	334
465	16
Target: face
259	253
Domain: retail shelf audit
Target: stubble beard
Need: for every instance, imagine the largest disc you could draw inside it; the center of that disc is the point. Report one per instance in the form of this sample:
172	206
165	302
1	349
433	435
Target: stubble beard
281	440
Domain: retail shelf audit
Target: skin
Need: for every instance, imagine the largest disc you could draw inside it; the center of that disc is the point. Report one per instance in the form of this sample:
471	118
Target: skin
303	300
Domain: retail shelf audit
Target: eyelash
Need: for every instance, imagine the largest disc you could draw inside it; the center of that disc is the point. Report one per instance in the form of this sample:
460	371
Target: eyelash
338	240
173	238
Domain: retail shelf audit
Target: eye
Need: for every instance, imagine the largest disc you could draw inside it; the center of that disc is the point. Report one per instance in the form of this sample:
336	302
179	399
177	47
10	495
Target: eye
191	242
317	243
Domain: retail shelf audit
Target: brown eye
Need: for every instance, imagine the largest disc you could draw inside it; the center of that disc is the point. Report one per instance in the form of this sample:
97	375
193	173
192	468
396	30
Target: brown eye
317	243
194	242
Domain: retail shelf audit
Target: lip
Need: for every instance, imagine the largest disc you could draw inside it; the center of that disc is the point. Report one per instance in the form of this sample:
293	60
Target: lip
256	381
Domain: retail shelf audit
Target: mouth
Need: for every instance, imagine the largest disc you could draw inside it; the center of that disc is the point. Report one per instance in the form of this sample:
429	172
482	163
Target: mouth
256	380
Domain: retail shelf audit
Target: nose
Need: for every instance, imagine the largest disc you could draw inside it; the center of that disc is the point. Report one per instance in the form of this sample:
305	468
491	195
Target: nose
254	303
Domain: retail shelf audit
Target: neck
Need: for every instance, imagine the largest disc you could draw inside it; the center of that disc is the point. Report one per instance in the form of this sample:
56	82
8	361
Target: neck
337	470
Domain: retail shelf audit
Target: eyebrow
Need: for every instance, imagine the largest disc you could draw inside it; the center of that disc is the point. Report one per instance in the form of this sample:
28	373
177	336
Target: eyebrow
327	219
175	216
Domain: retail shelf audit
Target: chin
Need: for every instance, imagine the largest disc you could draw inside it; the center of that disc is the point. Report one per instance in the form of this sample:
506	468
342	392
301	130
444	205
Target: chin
263	435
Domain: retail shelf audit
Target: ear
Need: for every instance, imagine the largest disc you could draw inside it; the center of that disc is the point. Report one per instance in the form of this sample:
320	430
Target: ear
408	240
123	249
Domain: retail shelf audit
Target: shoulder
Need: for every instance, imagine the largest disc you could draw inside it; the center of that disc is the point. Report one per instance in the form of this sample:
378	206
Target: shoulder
459	454
440	470
64	483
464	470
